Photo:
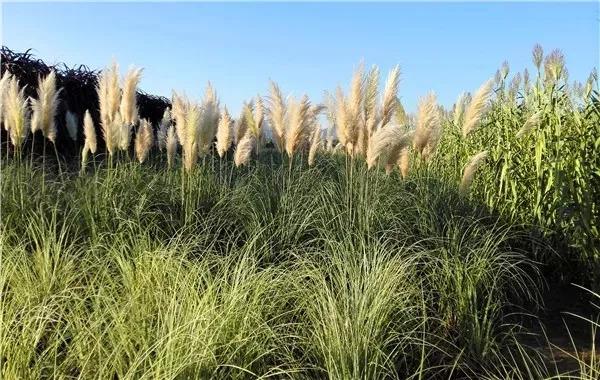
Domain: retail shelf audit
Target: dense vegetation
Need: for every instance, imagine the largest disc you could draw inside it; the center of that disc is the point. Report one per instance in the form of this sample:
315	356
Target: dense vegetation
290	254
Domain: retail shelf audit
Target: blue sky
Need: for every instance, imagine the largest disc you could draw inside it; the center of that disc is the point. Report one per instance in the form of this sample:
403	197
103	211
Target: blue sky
305	47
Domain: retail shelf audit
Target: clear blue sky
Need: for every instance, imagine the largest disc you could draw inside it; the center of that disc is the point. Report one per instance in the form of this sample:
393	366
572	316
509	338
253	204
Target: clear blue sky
305	47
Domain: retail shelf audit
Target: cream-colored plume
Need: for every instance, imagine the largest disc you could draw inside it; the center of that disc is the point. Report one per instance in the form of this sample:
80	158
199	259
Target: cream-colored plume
4	82
477	108
470	170
109	99
143	140
171	146
390	96
128	107
299	124
459	108
44	107
89	132
315	144
404	162
428	123
243	150
224	133
532	122
191	136
386	141
16	113
210	119
342	119
277	113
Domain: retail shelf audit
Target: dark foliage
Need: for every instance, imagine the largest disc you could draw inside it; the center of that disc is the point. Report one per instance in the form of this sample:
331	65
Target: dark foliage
78	94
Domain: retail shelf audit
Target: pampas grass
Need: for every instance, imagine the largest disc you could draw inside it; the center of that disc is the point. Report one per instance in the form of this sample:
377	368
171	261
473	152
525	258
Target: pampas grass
72	123
188	119
171	146
224	133
243	150
315	144
477	107
277	114
383	141
428	124
90	144
393	154
16	113
299	124
44	107
470	170
532	122
459	108
389	102
4	82
354	107
89	132
109	99
241	125
191	136
371	115
404	162
209	120
343	122
143	140
128	107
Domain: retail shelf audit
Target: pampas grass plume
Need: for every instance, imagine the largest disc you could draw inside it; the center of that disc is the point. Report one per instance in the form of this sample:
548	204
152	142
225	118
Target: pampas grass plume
243	150
89	132
44	107
428	122
477	107
16	112
277	112
171	146
224	133
390	95
128	107
470	170
143	140
315	143
532	122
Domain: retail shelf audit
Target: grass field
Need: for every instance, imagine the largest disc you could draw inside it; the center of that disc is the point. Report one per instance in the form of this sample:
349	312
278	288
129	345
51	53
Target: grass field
393	246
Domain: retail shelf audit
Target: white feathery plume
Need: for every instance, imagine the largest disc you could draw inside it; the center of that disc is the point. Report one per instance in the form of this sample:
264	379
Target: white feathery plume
390	95
428	123
16	113
477	107
143	140
4	81
210	119
277	114
315	143
532	122
44	107
128	107
243	150
470	170
89	132
171	146
224	133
